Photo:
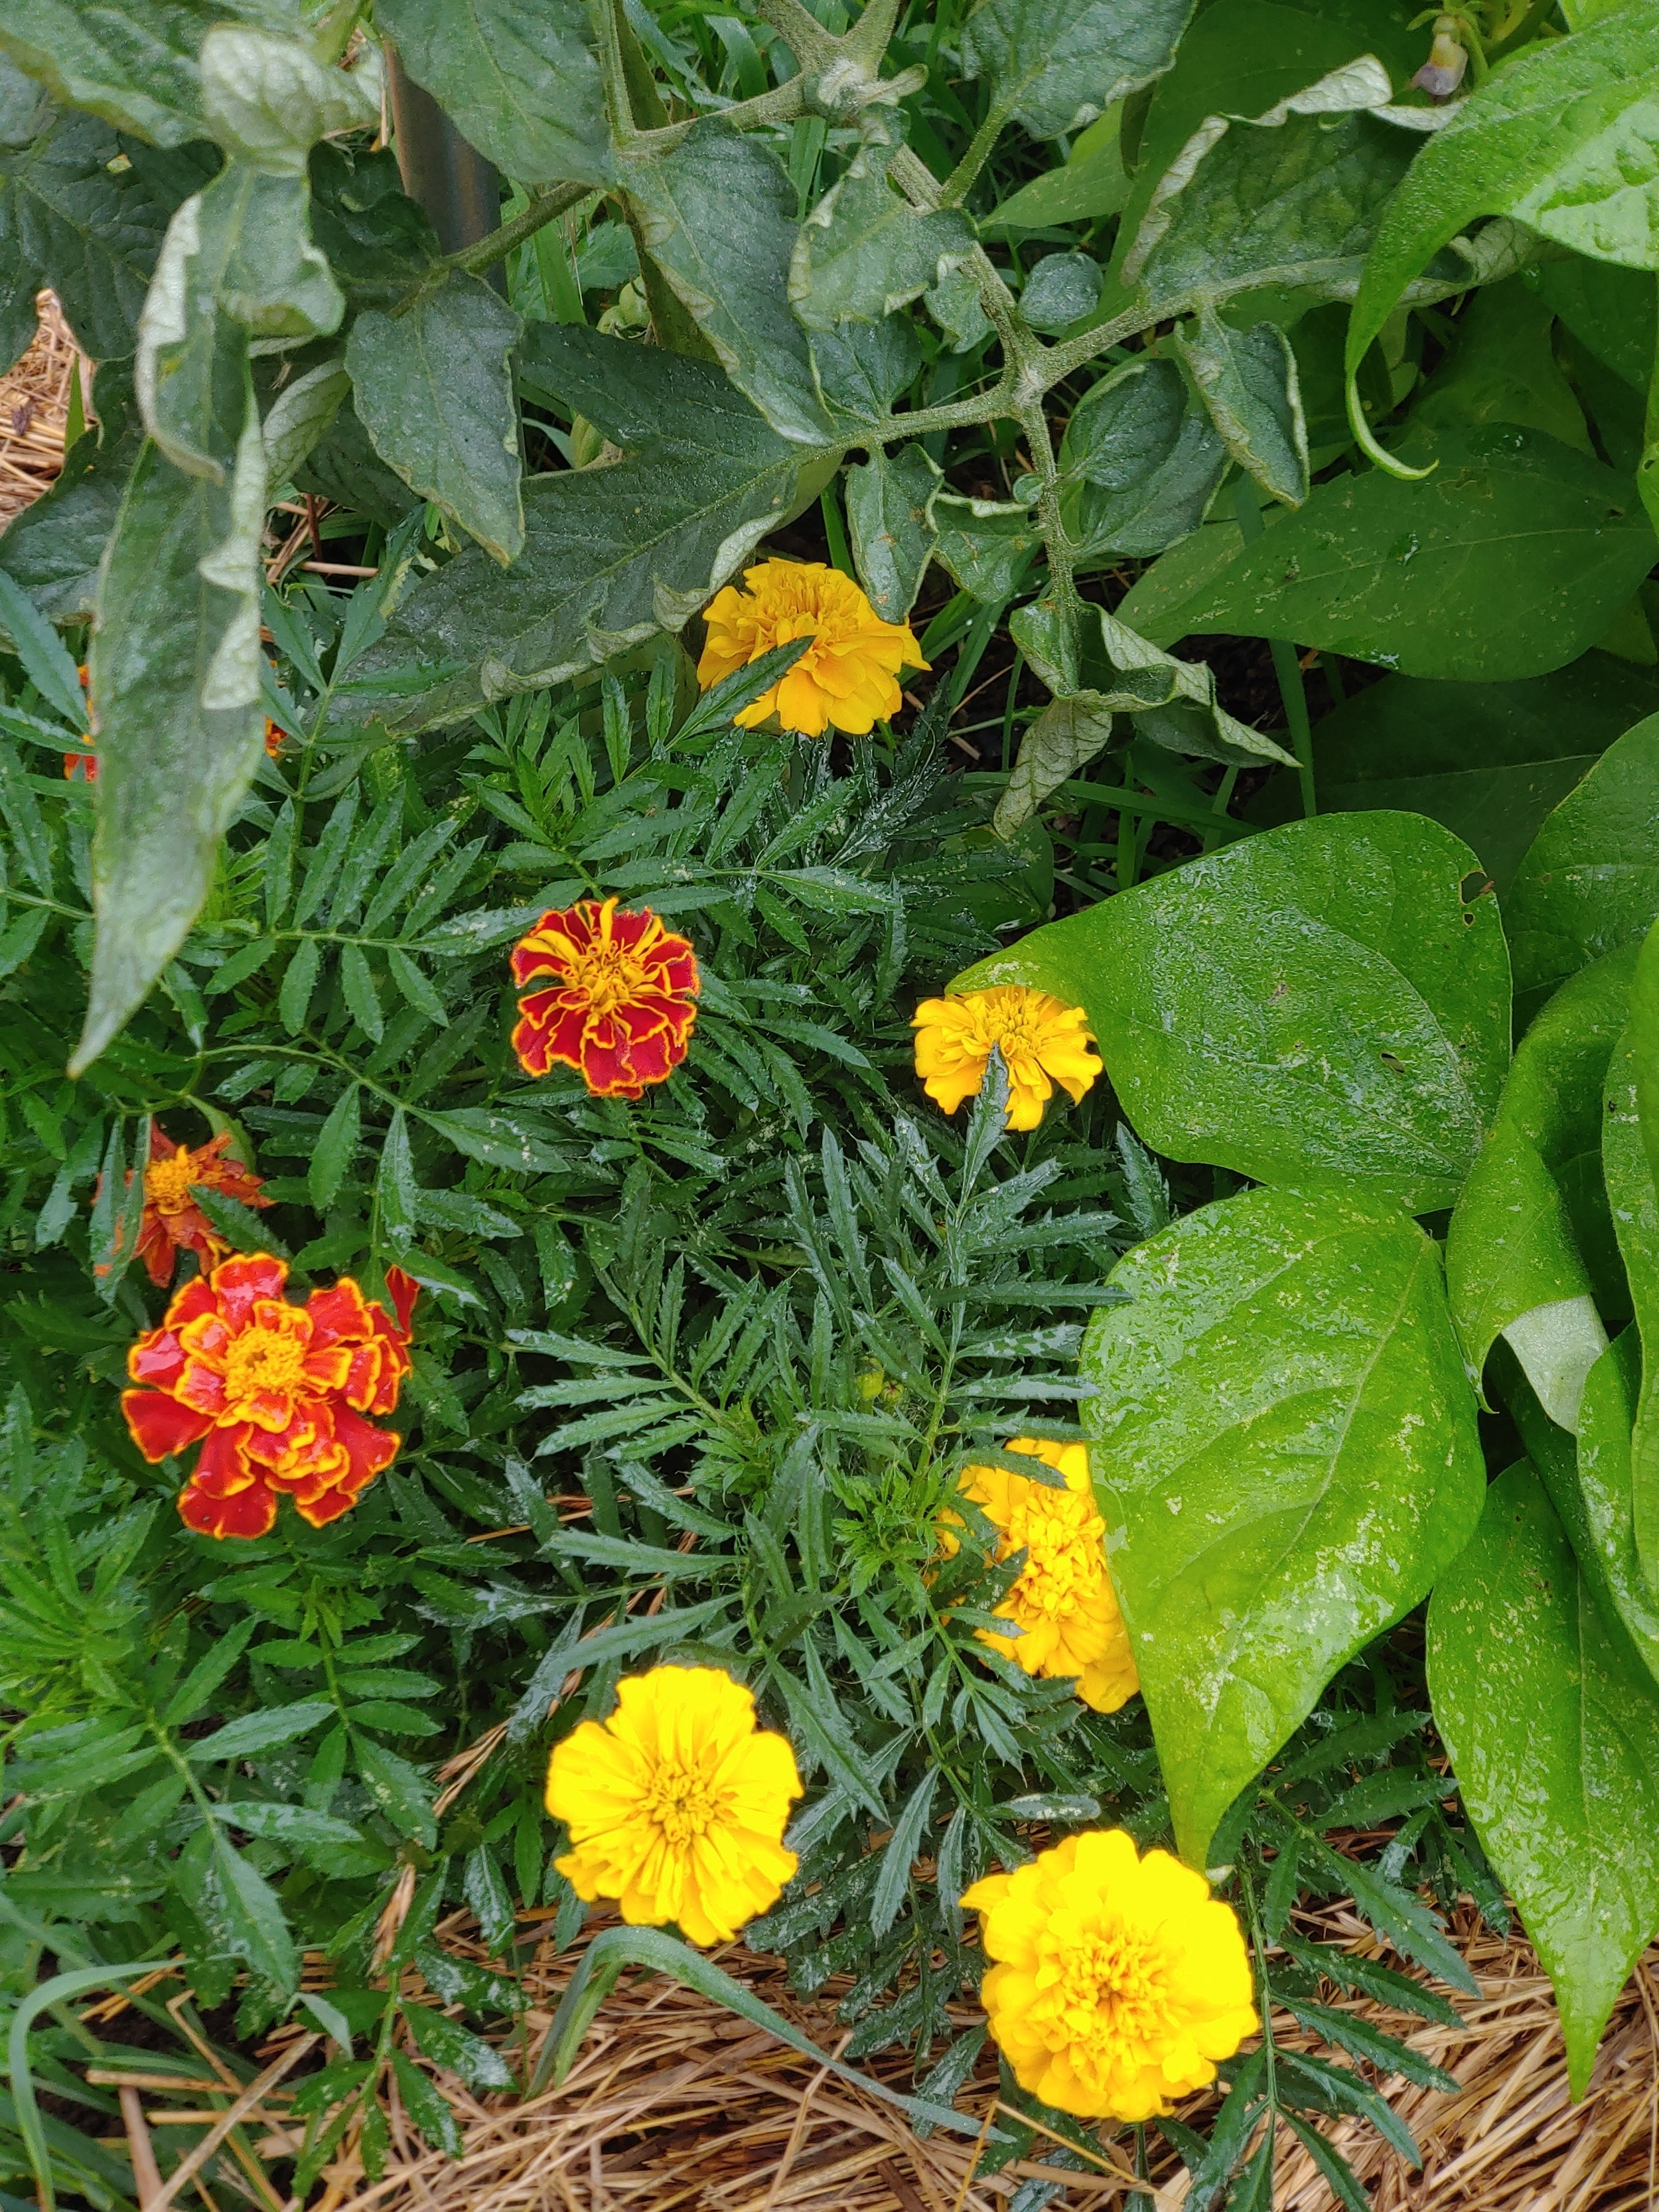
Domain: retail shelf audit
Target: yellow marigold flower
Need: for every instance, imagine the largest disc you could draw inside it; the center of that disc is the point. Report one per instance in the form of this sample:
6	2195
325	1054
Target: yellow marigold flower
1119	1981
848	677
1041	1039
1063	1602
676	1804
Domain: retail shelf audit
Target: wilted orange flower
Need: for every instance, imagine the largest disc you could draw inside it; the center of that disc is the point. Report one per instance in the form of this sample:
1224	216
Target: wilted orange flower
274	1394
172	1221
623	1003
847	677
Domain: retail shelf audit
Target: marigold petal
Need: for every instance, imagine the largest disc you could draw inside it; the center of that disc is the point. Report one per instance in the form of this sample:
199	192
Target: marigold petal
247	1513
159	1426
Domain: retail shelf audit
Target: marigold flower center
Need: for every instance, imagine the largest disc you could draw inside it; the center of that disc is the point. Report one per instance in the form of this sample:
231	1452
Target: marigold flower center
1105	1992
1062	1540
610	977
168	1184
681	1803
263	1361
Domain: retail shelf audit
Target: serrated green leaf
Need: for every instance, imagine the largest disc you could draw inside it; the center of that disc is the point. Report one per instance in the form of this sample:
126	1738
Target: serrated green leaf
864	251
1250	382
433	388
426	2104
259	1731
889	519
612	554
251	1917
1054	65
524	89
175	673
718	213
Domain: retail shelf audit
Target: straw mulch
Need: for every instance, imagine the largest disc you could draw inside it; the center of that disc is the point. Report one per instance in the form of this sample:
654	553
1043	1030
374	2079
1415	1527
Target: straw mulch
34	409
675	2105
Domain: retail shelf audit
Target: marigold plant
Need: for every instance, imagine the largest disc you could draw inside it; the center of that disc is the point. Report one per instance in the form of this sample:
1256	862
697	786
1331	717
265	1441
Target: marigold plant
1062	1602
623	1003
274	1393
1118	1982
676	1804
848	678
172	1222
1043	1040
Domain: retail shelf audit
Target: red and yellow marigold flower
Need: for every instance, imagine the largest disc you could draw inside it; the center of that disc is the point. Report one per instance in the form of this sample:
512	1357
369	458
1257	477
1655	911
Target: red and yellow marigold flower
1043	1040
620	1002
1118	1981
274	1394
847	678
172	1222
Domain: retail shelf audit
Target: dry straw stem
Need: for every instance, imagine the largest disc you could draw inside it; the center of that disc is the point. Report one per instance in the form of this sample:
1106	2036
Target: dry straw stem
674	2105
34	408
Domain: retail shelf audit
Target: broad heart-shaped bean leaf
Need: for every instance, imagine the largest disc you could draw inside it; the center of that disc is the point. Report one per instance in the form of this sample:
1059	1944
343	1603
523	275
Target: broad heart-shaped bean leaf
718	213
1510	560
521	85
1285	1448
1054	65
1634	1197
1249	382
612	554
1552	1725
863	251
1319	1005
1514	1266
1489	761
1561	139
133	62
175	671
1140	463
1590	879
1291	197
68	221
433	389
890	502
1589	1484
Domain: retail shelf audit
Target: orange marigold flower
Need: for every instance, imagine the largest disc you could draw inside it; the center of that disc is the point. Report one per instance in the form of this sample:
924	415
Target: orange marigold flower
172	1222
274	1394
847	677
623	1003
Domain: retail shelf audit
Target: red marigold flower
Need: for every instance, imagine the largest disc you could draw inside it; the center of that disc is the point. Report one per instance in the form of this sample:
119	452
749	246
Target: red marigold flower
172	1221
274	1394
624	1003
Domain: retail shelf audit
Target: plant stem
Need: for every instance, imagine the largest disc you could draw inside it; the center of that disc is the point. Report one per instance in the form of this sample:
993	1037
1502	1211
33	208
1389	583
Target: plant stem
961	180
500	243
1287	667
